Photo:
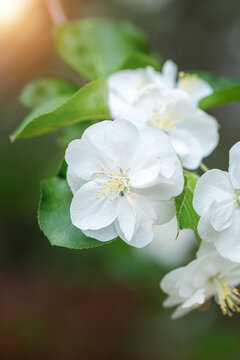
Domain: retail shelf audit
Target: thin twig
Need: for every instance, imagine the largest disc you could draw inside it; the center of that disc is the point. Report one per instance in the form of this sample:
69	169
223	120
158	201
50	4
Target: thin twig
56	12
203	167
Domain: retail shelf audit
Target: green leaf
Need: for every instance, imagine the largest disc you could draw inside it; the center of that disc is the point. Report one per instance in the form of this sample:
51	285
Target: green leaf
98	47
186	215
221	97
140	60
41	90
88	103
54	217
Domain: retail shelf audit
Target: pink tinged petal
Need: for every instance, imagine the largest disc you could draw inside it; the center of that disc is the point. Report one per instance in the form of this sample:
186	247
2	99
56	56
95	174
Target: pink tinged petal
234	165
117	139
126	218
73	180
105	234
213	185
220	214
89	211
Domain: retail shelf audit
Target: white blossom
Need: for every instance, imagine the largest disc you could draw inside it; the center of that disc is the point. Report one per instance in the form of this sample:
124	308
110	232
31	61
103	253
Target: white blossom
209	275
217	201
127	85
123	181
193	133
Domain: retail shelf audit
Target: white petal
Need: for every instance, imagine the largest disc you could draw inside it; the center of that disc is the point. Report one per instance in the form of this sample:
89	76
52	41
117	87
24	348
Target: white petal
117	139
156	171
205	229
195	87
169	73
234	165
197	298
213	185
126	218
187	147
164	210
200	126
220	214
127	84
105	234
228	242
169	283
84	159
90	213
73	180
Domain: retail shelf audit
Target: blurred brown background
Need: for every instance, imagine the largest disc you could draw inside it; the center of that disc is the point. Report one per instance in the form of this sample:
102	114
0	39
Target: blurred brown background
103	303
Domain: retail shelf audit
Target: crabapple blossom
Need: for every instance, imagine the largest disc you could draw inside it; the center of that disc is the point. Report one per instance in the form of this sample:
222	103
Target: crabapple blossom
209	275
123	181
125	86
193	133
217	201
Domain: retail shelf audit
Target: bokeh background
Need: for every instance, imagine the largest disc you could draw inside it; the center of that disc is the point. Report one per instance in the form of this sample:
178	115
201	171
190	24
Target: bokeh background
103	303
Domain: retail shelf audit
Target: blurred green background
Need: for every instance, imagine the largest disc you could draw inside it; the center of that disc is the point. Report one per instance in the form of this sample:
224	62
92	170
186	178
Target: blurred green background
103	303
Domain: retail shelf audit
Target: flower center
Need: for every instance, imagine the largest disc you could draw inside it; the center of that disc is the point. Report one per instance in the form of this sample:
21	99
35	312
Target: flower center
164	119
115	185
227	297
187	80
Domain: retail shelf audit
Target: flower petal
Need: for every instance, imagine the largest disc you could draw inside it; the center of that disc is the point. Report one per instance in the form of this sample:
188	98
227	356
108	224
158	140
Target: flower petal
156	171
213	185
228	242
118	139
195	87
126	218
234	165
88	212
220	214
206	230
169	74
105	234
74	181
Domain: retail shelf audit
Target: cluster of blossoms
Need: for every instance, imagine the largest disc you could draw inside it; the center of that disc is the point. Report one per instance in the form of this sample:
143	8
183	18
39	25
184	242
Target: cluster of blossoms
125	173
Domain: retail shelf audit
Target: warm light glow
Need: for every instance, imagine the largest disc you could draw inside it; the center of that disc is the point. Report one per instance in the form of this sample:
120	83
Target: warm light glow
12	10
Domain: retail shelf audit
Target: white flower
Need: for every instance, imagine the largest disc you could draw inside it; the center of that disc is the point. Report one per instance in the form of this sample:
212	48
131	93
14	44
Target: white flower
166	249
206	276
193	133
123	181
126	85
217	201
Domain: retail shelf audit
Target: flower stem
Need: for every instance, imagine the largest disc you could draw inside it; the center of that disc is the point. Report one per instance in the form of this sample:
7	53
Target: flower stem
203	167
56	12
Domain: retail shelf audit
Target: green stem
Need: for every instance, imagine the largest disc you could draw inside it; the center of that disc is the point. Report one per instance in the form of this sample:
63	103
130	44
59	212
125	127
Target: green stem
203	167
